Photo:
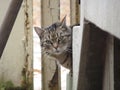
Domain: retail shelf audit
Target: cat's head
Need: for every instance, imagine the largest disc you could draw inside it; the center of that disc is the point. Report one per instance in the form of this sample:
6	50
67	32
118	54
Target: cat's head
56	39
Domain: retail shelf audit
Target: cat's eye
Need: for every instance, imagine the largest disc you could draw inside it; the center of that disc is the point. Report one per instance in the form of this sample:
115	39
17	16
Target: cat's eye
48	42
61	38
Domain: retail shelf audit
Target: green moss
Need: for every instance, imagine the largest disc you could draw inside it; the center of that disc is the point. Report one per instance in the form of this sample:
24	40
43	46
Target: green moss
26	77
9	86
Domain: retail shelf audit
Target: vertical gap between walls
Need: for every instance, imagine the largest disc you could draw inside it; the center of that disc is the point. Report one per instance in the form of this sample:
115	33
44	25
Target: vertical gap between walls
36	46
64	10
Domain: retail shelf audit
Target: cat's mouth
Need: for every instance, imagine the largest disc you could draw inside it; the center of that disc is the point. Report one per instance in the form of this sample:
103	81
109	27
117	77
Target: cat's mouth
57	52
53	53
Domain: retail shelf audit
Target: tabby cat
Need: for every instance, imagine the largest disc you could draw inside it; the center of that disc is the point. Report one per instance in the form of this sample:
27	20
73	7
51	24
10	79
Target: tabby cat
56	41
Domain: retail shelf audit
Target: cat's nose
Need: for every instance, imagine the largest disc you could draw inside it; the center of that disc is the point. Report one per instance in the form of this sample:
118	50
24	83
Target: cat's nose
55	45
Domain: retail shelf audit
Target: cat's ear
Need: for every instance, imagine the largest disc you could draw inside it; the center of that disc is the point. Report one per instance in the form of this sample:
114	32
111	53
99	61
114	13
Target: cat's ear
63	22
39	31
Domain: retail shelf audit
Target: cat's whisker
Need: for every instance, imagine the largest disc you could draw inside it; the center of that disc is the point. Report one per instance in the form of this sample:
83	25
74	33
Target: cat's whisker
44	52
68	51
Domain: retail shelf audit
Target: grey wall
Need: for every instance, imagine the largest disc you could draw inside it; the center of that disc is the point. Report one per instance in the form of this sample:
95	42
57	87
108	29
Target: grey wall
15	53
12	60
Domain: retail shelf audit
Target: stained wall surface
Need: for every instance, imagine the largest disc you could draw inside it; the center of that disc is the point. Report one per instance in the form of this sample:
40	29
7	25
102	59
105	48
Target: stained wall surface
17	50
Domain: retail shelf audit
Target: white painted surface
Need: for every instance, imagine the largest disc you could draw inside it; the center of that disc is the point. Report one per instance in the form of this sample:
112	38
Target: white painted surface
37	62
77	42
104	13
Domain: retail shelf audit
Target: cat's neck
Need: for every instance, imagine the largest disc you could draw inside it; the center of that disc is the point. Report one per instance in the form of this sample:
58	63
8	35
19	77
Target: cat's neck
60	56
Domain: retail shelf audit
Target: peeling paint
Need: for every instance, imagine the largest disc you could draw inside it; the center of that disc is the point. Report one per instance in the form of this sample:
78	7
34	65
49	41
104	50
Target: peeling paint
27	74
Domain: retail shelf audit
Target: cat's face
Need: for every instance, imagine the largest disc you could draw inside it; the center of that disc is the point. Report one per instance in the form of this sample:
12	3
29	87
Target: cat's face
55	39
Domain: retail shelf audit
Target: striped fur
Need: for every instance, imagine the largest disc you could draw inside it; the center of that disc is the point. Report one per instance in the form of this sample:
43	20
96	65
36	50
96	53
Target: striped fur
56	42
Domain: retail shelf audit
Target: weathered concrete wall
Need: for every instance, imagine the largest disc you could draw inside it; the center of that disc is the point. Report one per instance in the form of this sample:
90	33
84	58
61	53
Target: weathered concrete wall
104	13
12	61
18	48
74	12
